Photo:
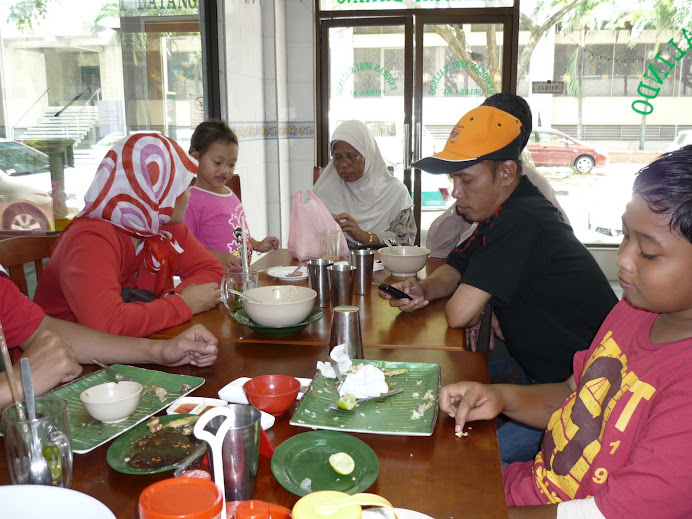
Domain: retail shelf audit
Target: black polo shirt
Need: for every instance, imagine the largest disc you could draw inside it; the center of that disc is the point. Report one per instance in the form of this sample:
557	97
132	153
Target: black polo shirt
550	295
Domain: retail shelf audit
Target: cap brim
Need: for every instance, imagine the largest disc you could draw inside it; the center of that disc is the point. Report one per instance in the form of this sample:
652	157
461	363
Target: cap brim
438	166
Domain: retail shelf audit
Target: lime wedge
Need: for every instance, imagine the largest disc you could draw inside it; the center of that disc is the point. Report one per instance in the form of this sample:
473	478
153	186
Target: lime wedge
347	402
342	463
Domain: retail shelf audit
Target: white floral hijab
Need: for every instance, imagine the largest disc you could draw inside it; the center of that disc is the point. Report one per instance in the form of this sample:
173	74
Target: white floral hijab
136	188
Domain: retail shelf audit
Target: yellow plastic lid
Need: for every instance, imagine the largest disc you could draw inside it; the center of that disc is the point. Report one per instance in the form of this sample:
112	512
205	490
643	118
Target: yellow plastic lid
181	498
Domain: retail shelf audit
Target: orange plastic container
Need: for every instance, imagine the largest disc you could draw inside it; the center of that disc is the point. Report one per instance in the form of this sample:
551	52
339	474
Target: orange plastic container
181	498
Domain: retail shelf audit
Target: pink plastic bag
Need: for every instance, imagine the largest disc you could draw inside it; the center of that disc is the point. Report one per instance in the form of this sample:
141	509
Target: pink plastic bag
307	220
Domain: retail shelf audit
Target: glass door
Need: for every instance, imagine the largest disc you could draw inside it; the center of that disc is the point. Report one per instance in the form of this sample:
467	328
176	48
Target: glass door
409	79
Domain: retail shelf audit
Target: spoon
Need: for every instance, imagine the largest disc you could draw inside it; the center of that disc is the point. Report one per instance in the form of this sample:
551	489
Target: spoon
243	296
196	453
39	473
395	250
119	377
297	271
361	400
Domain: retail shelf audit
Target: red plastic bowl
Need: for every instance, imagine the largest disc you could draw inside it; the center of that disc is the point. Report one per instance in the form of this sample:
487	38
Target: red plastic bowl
273	394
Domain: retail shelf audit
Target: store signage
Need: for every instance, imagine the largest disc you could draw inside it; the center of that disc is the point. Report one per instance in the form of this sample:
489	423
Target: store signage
548	87
174	5
366	66
657	72
456	65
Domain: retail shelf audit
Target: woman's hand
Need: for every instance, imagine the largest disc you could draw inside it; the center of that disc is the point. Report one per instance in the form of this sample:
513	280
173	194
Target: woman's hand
201	298
267	244
349	225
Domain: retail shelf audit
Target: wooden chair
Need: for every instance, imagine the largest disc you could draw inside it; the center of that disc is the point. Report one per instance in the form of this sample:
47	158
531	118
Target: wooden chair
486	328
16	251
234	184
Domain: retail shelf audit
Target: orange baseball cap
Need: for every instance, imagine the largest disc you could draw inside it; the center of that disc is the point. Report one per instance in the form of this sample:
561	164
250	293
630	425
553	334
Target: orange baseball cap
484	133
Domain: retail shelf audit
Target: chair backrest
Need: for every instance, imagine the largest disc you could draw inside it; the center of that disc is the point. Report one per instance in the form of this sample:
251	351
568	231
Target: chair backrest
234	184
316	172
16	251
483	342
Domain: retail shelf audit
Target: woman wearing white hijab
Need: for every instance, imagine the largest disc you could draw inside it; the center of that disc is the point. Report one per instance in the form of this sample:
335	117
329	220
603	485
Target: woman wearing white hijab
369	204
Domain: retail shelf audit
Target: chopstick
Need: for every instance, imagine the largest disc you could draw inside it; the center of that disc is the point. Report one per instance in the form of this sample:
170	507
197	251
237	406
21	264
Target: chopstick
10	375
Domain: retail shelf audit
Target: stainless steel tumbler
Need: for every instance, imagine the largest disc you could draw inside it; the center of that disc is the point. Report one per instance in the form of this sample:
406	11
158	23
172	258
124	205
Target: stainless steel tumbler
341	278
364	261
346	329
318	280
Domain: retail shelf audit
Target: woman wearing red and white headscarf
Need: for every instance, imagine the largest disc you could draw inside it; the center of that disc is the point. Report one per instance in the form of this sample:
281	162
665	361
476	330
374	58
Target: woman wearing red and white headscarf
112	268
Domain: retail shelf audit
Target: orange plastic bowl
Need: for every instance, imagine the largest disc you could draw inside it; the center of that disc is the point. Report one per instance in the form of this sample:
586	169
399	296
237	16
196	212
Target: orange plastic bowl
273	394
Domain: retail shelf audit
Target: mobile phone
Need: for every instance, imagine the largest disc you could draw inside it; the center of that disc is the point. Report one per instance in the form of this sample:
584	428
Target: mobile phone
394	292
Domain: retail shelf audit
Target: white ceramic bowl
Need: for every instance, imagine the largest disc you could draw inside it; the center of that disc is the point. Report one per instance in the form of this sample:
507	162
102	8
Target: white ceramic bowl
404	260
112	402
281	305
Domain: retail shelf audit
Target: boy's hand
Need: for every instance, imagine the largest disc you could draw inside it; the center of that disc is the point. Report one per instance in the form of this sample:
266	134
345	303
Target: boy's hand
409	286
201	298
196	346
470	401
267	244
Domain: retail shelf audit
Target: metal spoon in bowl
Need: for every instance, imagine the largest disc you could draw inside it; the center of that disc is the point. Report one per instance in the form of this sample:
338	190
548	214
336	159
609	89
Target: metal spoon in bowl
39	472
243	296
361	400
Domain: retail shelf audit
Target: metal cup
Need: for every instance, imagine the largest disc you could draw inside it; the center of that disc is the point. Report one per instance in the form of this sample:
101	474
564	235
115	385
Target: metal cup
346	329
238	447
364	261
341	278
318	280
52	425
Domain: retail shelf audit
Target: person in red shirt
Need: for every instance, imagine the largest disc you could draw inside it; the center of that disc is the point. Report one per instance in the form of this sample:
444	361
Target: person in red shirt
618	431
56	348
112	268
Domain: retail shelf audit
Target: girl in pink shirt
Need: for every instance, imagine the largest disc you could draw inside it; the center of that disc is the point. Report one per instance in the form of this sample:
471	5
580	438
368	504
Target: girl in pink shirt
215	214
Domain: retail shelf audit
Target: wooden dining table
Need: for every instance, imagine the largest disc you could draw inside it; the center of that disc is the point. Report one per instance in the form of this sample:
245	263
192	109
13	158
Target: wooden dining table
381	324
440	475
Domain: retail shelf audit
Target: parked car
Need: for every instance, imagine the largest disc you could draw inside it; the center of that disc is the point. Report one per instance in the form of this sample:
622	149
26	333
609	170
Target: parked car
550	147
17	158
683	138
23	208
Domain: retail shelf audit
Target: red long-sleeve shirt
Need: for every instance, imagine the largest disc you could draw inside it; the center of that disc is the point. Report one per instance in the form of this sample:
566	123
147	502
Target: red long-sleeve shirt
83	280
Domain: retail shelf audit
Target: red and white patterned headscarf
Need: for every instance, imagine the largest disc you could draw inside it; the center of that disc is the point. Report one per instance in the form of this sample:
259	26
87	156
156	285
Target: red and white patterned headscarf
136	188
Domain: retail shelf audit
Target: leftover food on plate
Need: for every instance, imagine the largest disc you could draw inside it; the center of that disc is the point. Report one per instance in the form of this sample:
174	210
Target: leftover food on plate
194	405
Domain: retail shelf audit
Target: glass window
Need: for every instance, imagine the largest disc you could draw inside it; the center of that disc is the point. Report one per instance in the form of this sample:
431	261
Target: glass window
78	76
626	99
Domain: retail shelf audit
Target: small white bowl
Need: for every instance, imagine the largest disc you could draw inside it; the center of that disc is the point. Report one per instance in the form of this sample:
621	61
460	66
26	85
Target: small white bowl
404	261
112	402
284	305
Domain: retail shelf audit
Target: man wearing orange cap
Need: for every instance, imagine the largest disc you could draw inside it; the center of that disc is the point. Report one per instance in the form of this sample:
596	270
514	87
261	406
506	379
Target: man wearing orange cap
549	294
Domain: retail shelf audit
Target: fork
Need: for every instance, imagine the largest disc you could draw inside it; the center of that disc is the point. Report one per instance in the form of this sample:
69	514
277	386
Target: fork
119	377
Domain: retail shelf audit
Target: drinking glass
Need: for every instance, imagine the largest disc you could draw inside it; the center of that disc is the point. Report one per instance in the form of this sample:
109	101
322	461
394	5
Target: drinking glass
330	242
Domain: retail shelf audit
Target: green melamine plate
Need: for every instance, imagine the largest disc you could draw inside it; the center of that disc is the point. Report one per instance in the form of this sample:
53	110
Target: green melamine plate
306	457
87	433
168	454
411	413
241	317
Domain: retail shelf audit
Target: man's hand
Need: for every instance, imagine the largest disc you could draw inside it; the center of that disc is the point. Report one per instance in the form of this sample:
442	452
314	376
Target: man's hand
52	361
472	334
196	346
201	298
267	244
412	287
470	401
349	225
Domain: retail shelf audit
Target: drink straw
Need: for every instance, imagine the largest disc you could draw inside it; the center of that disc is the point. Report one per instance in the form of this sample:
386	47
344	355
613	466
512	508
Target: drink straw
243	255
10	375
